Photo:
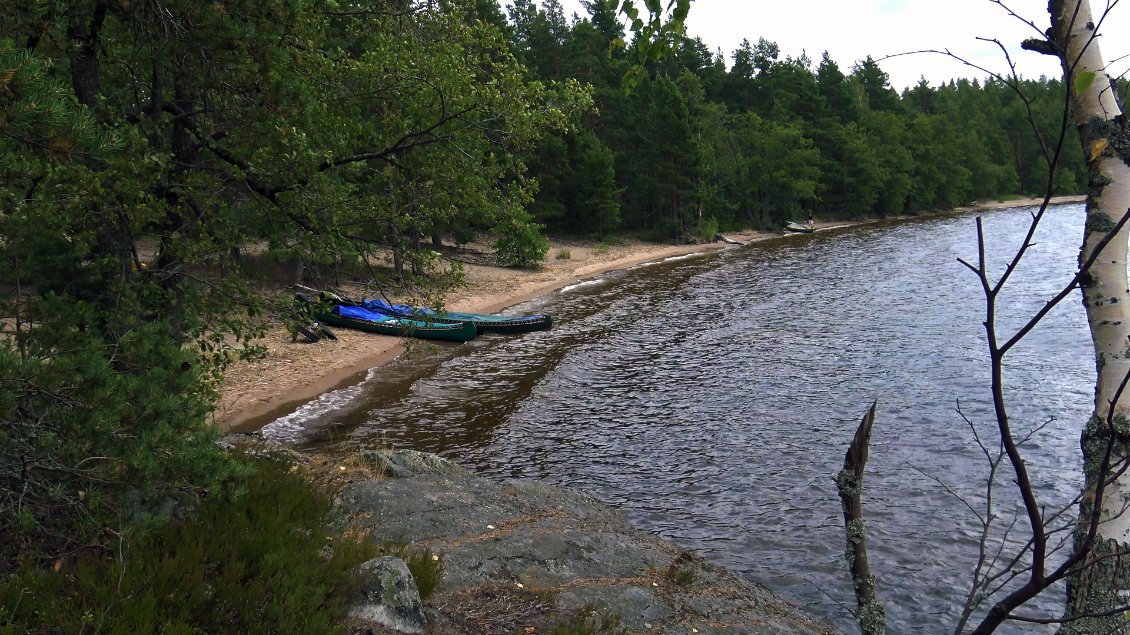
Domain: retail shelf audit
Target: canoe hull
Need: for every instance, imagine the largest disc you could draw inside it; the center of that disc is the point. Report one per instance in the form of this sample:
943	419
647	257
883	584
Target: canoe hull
483	323
501	323
441	331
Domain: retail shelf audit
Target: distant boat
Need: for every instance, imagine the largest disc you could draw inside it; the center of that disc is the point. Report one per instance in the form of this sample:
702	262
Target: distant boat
797	227
482	321
362	319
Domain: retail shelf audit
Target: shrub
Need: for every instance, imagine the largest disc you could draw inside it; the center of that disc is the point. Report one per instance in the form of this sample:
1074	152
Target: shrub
564	254
263	564
521	244
708	229
100	434
601	249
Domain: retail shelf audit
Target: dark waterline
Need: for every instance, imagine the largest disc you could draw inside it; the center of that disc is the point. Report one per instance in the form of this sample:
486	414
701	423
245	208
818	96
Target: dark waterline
712	398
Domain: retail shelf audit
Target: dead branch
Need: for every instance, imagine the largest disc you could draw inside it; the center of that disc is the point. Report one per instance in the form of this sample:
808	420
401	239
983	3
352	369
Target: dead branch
871	614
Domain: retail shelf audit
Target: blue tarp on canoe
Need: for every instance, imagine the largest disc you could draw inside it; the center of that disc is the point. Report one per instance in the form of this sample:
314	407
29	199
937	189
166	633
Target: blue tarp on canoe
360	313
360	318
398	310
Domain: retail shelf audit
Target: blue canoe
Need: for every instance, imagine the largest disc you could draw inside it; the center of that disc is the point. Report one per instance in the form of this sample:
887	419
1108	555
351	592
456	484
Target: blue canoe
360	318
482	322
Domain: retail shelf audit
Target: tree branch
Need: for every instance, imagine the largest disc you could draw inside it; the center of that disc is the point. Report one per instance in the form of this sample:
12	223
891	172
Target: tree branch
871	614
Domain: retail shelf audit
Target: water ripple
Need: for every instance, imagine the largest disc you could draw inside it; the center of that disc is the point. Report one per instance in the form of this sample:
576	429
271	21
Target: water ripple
712	399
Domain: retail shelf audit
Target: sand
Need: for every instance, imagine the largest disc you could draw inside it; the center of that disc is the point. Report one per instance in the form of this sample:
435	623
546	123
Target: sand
255	393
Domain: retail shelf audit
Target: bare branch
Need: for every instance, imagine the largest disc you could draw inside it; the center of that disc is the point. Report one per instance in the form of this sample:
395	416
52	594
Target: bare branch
1069	287
871	615
1017	16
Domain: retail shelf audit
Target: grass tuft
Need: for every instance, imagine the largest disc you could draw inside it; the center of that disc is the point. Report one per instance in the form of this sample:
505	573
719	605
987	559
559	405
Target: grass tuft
426	567
683	576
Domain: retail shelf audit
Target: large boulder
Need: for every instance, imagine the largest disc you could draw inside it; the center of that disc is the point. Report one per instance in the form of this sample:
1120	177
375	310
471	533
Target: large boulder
388	596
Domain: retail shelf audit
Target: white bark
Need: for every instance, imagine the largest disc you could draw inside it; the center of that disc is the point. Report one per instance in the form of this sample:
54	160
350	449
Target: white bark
1105	292
1108	312
1104	135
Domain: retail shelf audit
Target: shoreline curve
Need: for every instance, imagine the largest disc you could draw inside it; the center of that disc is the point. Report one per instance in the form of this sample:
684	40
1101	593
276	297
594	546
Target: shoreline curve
254	394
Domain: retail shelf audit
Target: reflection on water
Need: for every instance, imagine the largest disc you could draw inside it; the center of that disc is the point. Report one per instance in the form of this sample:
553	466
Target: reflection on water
712	399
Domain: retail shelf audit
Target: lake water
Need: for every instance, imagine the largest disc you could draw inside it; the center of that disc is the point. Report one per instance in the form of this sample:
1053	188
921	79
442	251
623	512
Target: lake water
712	398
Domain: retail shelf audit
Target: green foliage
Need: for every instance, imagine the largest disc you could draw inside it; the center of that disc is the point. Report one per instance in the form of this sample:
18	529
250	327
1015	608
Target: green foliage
39	110
576	185
596	198
139	162
657	33
773	137
100	435
873	88
708	229
521	245
265	563
427	569
661	157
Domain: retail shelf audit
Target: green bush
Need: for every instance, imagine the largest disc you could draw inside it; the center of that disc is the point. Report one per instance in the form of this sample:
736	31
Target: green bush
264	564
100	435
521	245
708	229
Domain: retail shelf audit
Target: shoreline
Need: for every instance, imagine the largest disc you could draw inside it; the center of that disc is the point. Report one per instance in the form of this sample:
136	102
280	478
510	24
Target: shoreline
299	373
255	393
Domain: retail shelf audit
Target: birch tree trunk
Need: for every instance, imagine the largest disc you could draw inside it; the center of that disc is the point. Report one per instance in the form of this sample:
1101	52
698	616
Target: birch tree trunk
1101	584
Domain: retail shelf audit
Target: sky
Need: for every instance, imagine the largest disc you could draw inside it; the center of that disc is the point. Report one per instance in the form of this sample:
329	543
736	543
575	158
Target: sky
852	29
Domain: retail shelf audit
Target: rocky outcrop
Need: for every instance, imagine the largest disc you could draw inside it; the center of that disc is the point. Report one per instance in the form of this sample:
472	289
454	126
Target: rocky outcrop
533	551
389	596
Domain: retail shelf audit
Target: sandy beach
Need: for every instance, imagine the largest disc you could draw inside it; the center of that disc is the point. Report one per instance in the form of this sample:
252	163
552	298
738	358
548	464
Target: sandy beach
255	393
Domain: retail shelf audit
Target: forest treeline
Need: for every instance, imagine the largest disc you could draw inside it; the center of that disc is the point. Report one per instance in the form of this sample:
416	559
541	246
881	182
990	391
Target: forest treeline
752	138
157	157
